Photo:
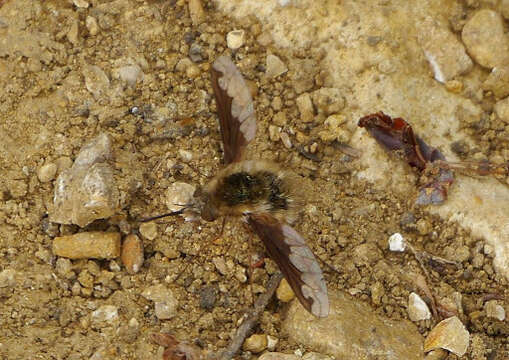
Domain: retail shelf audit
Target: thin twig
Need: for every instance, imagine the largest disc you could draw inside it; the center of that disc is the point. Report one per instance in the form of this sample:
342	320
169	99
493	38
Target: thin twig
251	319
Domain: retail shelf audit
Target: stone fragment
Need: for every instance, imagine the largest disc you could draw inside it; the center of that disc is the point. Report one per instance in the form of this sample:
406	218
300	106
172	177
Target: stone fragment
272	342
87	191
96	81
256	343
445	54
278	356
502	110
149	230
132	254
485	39
353	331
396	242
235	39
130	74
335	130
449	334
73	33
165	303
498	81
328	101
196	12
178	195
494	310
417	308
91	24
285	139
316	356
208	297
85	245
284	292
220	265
305	107
47	172
275	66
105	313
7	278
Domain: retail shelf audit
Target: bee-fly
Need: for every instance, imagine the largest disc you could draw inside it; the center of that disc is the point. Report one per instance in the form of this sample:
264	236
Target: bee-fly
259	191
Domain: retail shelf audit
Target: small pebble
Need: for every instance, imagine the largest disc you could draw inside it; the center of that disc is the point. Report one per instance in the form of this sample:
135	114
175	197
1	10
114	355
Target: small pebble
63	266
272	342
208	297
278	356
47	172
149	230
196	12
396	242
450	334
85	245
105	313
423	227
494	310
165	303
178	195
73	33
275	66
305	106
81	3
417	308
220	265
132	253
130	74
284	292
316	356
255	343
7	278
91	24
235	39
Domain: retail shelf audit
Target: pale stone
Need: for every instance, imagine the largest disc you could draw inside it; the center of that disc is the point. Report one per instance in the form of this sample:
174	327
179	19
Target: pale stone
255	343
96	80
105	313
449	334
81	3
131	74
235	39
278	356
7	278
165	303
85	245
445	54
149	230
178	195
353	331
47	172
91	24
305	107
498	81
396	242
73	33
502	110
494	310
275	66
417	308
485	38
196	12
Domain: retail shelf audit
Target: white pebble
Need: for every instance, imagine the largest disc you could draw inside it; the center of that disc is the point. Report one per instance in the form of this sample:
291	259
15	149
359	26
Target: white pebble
495	310
235	39
106	313
275	66
47	172
417	308
178	195
396	242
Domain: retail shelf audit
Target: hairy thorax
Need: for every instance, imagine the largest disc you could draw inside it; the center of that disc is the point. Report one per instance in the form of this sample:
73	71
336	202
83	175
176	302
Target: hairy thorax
251	186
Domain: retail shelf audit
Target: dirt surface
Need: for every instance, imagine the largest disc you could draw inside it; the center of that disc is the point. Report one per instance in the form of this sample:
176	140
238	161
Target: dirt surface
164	129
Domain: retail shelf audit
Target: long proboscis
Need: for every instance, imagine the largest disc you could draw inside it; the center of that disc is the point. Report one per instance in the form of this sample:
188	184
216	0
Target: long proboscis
173	213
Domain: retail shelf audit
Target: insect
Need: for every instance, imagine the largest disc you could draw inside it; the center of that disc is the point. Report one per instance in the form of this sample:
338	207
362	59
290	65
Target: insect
258	191
397	136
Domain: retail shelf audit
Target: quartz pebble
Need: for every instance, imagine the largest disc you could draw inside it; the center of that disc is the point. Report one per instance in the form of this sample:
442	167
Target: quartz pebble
81	3
445	54
449	334
417	308
502	110
305	107
256	343
47	172
272	342
498	81
96	81
130	74
396	242
275	66
235	39
485	38
85	245
132	254
87	191
284	292
165	303
105	313
91	24
494	310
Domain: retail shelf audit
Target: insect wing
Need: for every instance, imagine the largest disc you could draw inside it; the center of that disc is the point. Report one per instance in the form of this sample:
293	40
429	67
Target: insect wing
298	264
235	108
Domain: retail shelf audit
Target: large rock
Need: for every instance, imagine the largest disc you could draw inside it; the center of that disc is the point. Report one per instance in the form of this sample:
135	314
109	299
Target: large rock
485	39
87	191
353	331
